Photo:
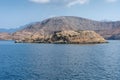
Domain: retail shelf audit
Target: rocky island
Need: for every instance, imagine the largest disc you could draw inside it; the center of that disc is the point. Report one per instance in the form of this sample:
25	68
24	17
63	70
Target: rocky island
67	29
65	37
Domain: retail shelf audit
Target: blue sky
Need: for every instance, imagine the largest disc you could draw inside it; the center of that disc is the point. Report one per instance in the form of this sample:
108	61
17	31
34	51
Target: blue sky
15	13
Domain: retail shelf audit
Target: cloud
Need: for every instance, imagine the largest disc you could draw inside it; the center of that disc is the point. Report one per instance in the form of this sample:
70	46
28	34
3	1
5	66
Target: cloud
74	2
111	1
40	1
67	3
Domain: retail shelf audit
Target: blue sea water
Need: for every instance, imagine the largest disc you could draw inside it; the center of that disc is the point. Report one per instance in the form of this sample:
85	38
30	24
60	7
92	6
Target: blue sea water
30	61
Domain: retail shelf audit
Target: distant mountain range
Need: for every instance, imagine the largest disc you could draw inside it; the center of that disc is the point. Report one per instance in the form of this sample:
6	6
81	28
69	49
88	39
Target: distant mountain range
8	30
108	30
11	30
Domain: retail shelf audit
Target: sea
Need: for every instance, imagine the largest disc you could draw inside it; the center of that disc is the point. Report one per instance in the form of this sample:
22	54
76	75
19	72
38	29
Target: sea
34	61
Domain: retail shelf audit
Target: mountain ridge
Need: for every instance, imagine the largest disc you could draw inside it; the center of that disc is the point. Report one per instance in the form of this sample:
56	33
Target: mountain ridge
63	23
50	25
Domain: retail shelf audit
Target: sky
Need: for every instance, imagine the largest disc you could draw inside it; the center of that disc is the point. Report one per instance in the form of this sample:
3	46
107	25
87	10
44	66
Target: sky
16	13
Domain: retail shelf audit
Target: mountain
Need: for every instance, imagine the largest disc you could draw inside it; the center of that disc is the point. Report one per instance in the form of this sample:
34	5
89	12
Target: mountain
51	25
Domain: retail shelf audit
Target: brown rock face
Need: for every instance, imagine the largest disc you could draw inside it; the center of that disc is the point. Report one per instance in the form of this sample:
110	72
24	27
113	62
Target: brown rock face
21	35
5	36
77	37
69	37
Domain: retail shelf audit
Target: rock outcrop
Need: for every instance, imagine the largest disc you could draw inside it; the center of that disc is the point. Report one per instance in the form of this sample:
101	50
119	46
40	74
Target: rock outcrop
77	37
68	37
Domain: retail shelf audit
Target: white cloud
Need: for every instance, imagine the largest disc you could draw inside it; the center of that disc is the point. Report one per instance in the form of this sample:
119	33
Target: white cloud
68	3
111	1
74	2
40	1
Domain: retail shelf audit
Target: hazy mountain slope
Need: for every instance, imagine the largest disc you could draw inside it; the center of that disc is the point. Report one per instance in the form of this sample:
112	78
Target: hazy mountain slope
11	30
7	30
77	23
